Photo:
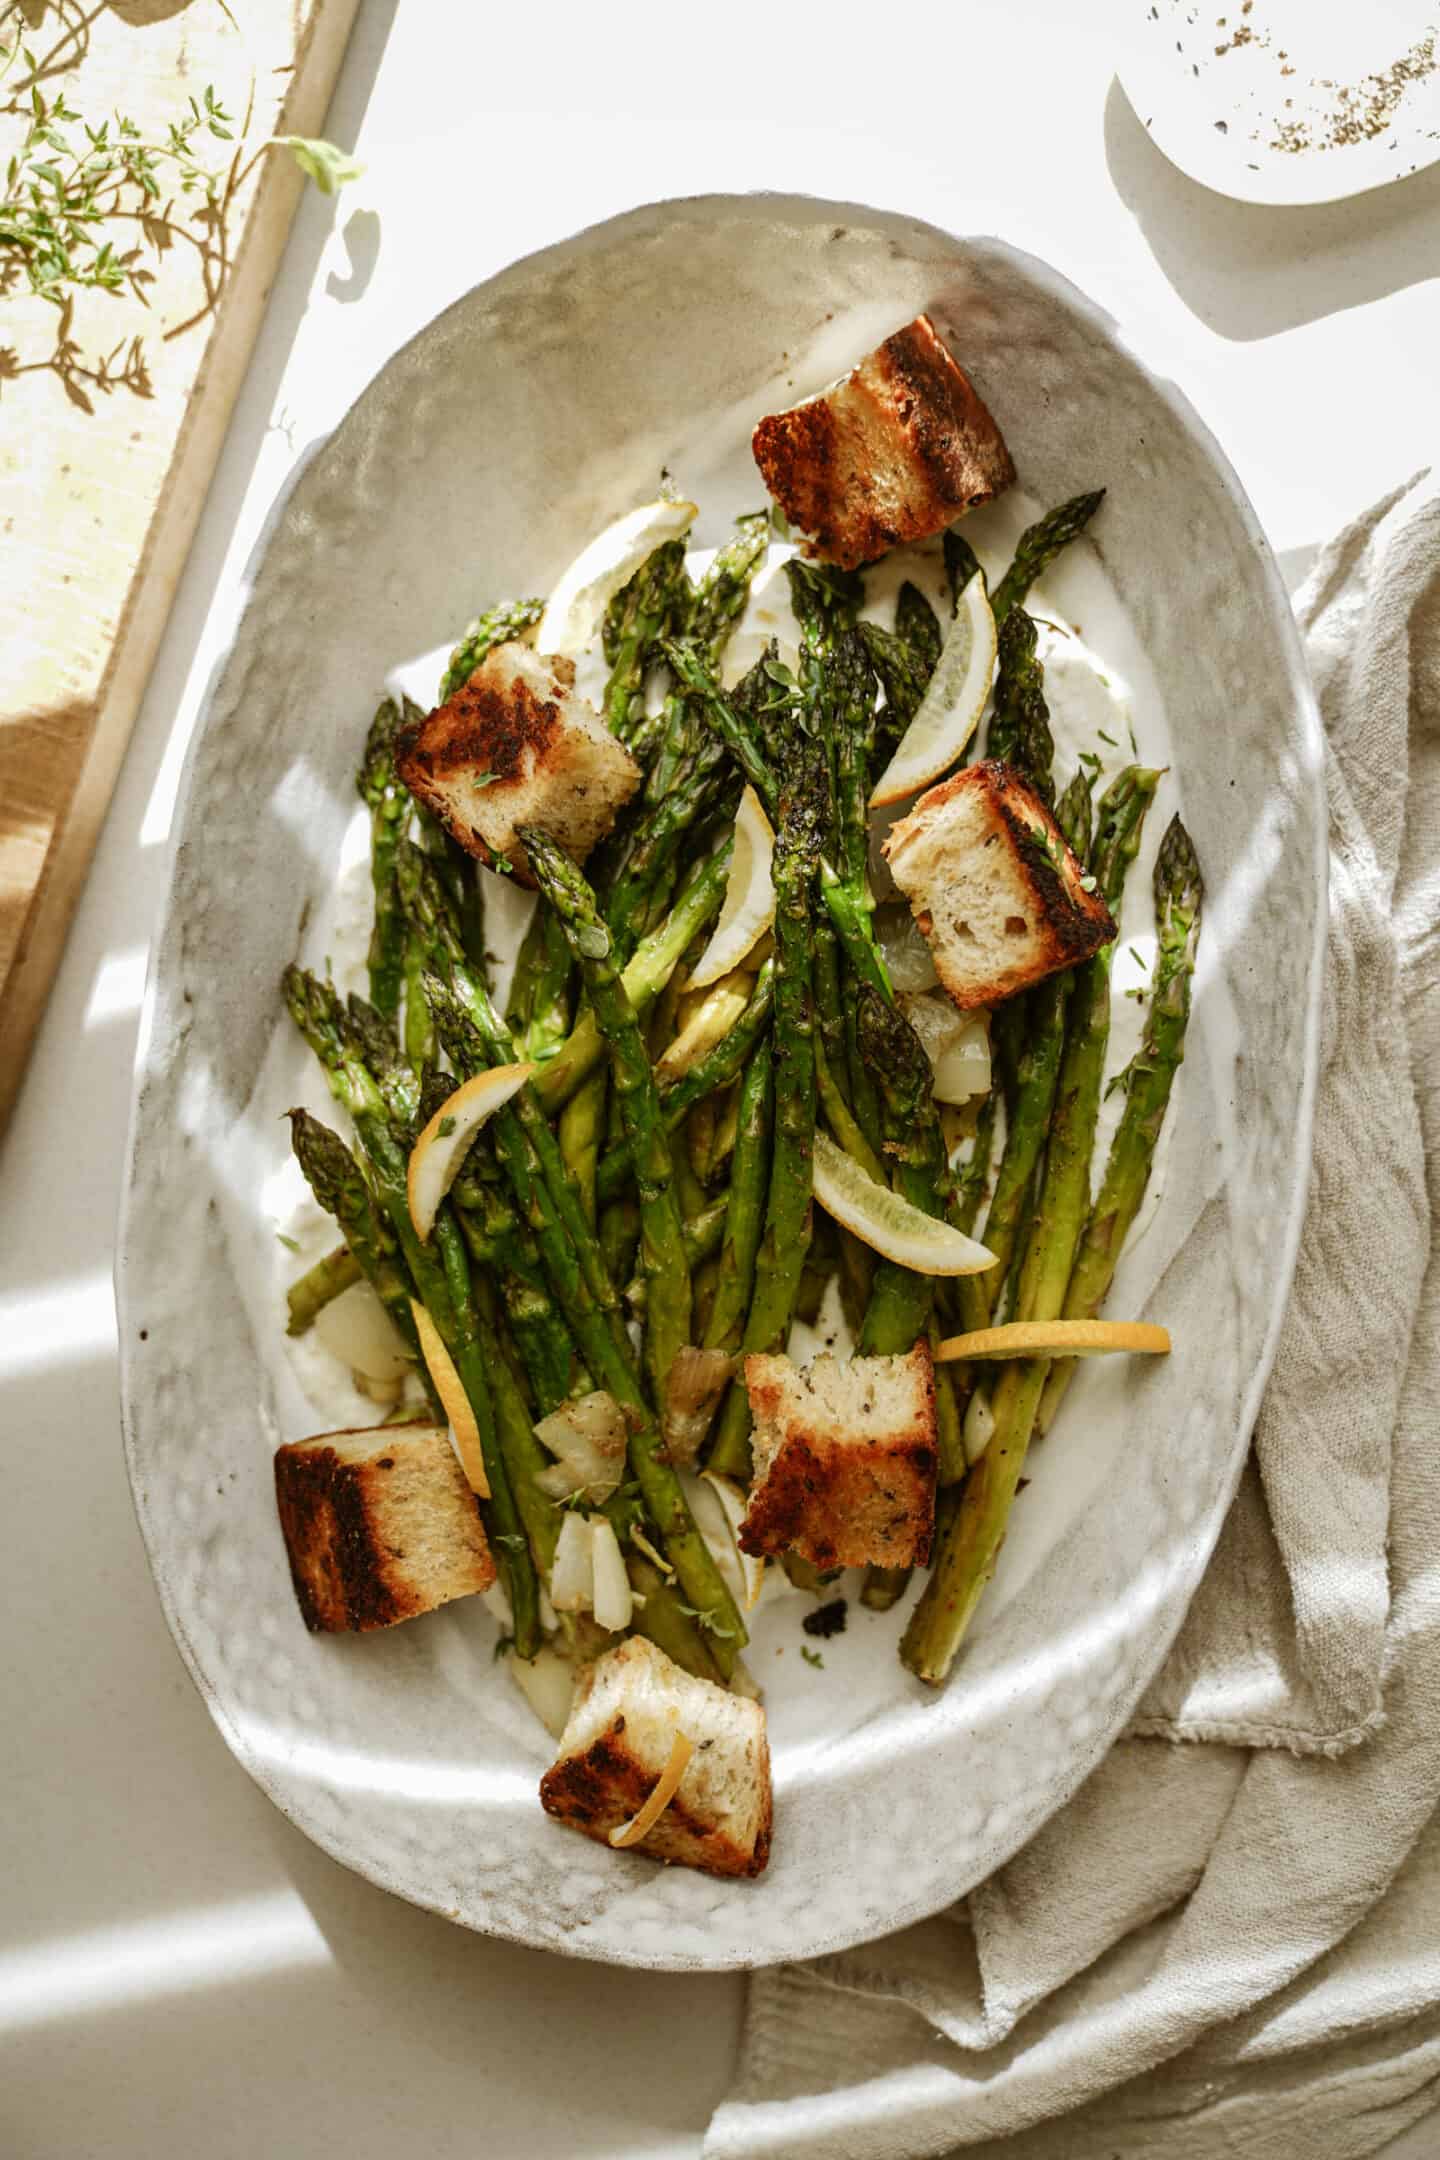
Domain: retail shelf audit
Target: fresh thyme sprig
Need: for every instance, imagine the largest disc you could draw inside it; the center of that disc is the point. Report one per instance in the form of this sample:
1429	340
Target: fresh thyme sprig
83	201
69	184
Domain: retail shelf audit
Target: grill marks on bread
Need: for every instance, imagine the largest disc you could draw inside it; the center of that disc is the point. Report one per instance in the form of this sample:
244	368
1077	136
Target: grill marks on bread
845	1459
629	1704
895	452
993	885
379	1526
517	745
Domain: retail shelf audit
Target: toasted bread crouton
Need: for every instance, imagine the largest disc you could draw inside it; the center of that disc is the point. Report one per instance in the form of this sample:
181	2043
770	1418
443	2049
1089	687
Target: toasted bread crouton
629	1705
896	451
380	1525
845	1459
515	746
994	887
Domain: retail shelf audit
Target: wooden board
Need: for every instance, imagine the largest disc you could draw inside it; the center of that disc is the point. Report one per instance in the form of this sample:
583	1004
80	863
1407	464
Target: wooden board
104	461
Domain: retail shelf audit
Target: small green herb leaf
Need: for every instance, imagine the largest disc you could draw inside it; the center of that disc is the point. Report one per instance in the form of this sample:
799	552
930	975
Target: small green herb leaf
812	1657
330	168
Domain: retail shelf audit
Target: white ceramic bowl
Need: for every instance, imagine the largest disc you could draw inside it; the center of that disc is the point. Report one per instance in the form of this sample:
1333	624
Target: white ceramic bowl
483	453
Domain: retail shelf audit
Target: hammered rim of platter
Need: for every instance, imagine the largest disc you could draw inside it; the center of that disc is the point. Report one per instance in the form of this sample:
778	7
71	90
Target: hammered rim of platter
398	1754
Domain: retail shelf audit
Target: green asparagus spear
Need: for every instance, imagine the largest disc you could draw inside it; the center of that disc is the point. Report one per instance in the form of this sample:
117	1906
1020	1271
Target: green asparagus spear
899	1310
703	1233
502	1421
665	1622
439	1272
582	1131
745	1211
712	1072
338	1183
903	676
319	1286
662	1244
645	975
1065	1191
547	992
656	600
389	804
1038	547
1020	724
972	1546
724	588
848	910
961	563
918	626
511	619
1147	1081
972	1182
606	1348
786	1237
431	918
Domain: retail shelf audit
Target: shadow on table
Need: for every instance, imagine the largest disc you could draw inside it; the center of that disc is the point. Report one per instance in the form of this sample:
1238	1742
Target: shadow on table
1248	270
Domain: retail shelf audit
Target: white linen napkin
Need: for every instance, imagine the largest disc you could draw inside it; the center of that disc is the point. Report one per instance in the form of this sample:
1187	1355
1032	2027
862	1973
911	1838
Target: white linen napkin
1229	1941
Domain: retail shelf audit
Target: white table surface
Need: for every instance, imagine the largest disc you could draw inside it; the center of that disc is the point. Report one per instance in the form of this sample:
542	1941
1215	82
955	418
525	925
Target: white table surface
180	1972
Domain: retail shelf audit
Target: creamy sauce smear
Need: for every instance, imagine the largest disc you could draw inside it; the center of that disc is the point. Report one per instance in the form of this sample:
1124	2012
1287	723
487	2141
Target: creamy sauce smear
1103	700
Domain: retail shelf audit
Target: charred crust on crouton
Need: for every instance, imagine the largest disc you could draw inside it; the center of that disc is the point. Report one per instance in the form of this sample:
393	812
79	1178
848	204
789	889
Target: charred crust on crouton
515	745
841	1502
595	1791
936	400
336	1563
480	728
348	1571
895	452
1066	919
1079	921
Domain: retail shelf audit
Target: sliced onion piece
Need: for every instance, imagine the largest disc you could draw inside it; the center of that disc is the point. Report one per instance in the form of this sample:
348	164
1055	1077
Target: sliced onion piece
693	1386
643	1822
711	1511
437	1155
572	1572
709	1020
613	1601
356	1328
906	949
978	1427
588	1438
547	1681
957	1045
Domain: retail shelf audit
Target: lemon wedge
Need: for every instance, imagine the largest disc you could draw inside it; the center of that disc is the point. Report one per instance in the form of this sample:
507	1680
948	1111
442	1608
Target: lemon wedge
437	1155
887	1222
1057	1338
464	1432
576	609
641	1824
748	909
950	710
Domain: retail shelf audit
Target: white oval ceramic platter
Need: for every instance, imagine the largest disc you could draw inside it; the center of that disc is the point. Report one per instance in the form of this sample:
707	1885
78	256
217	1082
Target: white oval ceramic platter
480	459
1286	101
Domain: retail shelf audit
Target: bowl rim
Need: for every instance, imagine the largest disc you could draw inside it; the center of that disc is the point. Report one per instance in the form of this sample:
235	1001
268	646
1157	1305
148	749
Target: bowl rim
1055	286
